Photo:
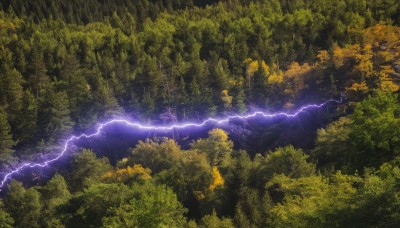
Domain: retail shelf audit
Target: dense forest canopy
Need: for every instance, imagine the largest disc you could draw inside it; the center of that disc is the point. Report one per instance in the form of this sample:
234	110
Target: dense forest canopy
65	65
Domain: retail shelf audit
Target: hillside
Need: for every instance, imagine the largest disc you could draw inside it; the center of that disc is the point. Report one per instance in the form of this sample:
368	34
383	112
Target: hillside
67	66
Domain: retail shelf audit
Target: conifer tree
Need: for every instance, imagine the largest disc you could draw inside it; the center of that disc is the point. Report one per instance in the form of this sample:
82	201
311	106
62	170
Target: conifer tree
26	122
54	115
39	80
6	139
11	91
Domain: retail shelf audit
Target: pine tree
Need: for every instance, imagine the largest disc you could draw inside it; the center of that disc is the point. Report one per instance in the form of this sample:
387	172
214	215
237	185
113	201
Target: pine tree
11	91
213	221
221	75
26	121
240	104
39	79
148	104
55	193
195	91
6	140
54	115
182	96
77	88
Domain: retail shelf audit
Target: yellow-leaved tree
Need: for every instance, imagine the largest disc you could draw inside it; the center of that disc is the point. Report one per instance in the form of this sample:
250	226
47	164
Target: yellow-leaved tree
294	78
217	146
386	83
217	179
251	67
226	99
129	174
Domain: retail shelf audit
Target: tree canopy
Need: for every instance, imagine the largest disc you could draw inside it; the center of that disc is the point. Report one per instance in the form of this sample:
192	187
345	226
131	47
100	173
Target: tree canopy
67	65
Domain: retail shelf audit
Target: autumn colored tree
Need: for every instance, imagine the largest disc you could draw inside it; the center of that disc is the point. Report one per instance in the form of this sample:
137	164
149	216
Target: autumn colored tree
128	174
217	146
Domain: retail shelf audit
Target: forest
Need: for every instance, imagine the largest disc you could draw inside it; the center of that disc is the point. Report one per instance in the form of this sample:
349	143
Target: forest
66	66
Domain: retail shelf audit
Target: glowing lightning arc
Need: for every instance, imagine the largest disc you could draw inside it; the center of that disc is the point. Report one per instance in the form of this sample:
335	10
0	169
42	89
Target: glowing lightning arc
159	128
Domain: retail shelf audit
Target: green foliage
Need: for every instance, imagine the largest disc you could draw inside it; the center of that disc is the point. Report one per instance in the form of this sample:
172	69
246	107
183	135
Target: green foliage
237	178
26	119
66	64
151	206
213	221
292	195
87	169
23	205
157	156
113	205
332	144
217	146
253	208
367	138
11	91
288	161
54	195
172	166
106	59
341	200
54	115
56	192
6	140
376	130
284	160
193	165
6	220
310	201
77	88
89	208
240	104
378	203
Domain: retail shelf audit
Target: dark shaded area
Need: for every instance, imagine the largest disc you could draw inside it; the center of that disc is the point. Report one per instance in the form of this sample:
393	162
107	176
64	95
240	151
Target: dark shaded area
255	135
83	12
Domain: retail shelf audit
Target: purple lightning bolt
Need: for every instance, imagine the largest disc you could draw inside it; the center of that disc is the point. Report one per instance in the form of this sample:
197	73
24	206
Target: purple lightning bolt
159	128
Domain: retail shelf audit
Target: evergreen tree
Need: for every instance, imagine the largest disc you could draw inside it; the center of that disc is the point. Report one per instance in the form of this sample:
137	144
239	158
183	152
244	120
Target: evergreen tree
195	92
240	104
77	88
6	139
26	122
213	221
221	74
11	92
54	115
54	195
39	80
237	177
107	104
